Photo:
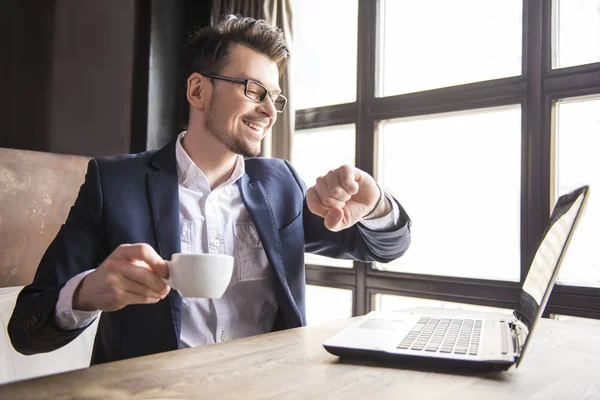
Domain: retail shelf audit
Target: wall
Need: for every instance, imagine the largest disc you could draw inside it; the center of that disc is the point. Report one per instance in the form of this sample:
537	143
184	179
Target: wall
92	77
26	32
91	81
67	70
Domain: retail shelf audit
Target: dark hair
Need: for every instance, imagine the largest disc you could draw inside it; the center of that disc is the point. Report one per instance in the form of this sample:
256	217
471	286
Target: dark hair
208	48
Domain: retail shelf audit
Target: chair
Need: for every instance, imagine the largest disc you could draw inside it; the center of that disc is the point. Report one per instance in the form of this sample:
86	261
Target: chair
36	192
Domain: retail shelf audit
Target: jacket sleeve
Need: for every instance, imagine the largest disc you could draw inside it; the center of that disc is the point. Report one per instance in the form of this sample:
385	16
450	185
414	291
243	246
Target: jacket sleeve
357	242
79	245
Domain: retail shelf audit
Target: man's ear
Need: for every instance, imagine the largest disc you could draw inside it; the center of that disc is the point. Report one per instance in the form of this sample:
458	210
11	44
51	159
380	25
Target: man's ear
197	90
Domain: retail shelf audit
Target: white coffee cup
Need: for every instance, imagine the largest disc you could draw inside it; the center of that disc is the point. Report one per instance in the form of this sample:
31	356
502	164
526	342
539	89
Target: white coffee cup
200	275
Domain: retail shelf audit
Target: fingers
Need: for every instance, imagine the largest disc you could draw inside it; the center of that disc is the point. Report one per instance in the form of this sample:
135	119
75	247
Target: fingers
314	203
142	281
342	196
328	197
117	283
132	277
333	216
348	177
334	220
337	186
330	192
136	288
124	297
341	183
145	253
124	278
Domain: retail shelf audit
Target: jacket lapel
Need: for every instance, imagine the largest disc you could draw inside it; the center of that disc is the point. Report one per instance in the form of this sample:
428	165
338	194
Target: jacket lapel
163	188
164	197
255	198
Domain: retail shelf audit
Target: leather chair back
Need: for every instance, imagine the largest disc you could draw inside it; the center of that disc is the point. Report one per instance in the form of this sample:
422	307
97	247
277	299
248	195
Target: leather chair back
37	191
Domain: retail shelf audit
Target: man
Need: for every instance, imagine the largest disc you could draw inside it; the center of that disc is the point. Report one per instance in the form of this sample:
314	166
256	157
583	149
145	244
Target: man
199	195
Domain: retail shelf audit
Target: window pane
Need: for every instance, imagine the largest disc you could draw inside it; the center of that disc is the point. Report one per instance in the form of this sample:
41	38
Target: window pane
312	157
324	52
388	302
576	32
314	259
431	44
326	304
577	163
459	177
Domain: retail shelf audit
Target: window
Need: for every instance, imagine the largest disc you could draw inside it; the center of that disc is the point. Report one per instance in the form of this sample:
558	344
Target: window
576	32
324	53
458	174
312	156
316	151
577	164
386	302
476	116
324	304
430	44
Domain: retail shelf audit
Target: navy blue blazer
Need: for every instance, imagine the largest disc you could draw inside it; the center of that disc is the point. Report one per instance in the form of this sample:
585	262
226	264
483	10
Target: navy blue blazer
134	199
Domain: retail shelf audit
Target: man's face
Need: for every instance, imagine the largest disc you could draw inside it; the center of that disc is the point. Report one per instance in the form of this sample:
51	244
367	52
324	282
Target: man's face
231	117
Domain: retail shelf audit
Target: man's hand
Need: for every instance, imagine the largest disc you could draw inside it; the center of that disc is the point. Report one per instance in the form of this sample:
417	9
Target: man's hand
130	275
343	197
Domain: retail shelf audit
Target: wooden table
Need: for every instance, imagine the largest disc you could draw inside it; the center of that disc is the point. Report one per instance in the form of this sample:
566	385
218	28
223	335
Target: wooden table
563	363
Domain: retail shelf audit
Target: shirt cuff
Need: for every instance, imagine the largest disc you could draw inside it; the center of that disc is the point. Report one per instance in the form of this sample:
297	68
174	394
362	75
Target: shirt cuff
66	317
385	222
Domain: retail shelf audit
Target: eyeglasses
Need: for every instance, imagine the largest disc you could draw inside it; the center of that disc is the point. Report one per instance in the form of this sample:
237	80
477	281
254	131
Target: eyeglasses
255	91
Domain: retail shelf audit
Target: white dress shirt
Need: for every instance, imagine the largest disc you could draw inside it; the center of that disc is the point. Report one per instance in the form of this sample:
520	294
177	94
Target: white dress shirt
216	221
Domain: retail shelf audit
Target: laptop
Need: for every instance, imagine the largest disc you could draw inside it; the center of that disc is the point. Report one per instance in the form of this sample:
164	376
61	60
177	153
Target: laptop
480	340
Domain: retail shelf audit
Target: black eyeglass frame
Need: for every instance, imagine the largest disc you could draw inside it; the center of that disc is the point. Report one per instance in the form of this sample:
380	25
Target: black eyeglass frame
245	82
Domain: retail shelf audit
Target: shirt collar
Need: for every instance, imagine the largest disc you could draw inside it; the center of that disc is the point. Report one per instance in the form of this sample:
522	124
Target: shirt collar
188	172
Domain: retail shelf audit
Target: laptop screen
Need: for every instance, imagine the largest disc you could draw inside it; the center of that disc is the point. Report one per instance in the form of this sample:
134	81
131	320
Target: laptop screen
542	273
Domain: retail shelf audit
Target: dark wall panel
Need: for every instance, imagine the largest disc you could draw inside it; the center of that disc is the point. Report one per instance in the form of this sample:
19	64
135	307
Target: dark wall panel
91	83
66	74
26	34
93	77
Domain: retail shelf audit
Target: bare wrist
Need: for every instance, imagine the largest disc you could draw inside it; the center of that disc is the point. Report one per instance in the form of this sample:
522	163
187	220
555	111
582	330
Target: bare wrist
78	302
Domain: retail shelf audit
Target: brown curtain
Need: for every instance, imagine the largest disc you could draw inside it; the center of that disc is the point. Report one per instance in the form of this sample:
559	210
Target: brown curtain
279	13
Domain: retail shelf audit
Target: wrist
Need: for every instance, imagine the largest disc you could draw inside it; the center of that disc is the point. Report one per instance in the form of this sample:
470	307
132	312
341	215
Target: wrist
386	209
380	207
78	303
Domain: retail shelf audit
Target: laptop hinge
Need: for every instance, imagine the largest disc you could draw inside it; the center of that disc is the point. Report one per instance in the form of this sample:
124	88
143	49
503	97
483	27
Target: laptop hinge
519	333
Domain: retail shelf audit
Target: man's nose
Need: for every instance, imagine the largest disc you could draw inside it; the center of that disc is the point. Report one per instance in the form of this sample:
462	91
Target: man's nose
267	107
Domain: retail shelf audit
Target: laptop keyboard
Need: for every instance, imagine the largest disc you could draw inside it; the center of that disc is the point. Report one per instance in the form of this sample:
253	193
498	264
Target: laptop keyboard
444	335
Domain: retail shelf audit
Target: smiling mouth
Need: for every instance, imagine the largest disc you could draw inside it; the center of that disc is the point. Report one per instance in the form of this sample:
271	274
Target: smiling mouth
255	127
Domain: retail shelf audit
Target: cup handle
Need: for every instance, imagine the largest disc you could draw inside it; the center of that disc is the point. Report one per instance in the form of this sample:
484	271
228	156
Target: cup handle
168	280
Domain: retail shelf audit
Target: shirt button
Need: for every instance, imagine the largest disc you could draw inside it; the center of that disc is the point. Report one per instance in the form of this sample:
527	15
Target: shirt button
223	336
216	242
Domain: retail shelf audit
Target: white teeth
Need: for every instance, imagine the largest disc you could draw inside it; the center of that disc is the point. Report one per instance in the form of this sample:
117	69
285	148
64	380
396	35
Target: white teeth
253	126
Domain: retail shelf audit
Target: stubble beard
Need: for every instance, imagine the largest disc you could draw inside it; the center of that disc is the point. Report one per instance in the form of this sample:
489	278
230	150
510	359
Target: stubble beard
234	144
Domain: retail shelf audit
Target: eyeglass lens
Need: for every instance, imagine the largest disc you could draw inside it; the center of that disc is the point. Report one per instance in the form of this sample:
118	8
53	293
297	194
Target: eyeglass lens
258	93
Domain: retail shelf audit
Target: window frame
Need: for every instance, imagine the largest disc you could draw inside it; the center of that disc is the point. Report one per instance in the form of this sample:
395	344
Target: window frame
537	90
